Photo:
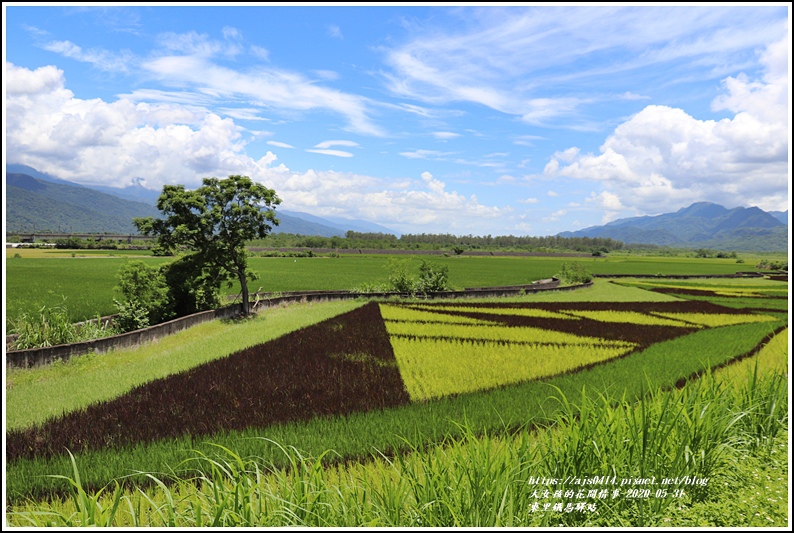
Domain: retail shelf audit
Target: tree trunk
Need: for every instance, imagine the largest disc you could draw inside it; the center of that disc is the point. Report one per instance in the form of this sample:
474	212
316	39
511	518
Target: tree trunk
244	287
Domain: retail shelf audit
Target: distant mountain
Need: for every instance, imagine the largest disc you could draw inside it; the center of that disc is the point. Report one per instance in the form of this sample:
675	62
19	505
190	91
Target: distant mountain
702	224
288	223
36	201
135	193
780	215
14	168
341	225
33	204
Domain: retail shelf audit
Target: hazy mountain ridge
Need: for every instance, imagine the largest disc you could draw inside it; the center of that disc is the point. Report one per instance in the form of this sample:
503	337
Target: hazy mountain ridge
702	224
34	204
39	202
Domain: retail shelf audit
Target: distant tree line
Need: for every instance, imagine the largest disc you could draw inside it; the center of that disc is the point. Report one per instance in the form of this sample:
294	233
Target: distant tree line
443	241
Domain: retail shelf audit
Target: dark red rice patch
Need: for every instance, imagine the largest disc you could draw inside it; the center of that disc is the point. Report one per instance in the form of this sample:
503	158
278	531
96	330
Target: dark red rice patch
339	366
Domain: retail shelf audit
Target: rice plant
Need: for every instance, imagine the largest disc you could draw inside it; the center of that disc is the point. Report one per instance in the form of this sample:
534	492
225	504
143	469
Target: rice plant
474	480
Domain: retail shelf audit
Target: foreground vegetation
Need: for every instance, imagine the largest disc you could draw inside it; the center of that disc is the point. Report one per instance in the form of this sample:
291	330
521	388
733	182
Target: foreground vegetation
426	448
734	423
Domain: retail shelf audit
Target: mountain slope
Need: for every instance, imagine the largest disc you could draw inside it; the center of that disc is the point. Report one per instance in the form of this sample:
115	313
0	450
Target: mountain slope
702	224
45	206
54	205
341	225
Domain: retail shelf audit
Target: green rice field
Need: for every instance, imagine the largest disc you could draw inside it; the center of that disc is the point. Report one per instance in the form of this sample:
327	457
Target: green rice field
84	284
420	413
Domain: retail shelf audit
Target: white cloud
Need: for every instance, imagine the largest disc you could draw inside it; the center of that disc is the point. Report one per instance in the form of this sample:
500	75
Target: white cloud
425	154
663	158
444	135
505	58
279	144
118	143
280	89
552	193
529	201
555	216
335	32
92	141
336	153
101	59
328	144
21	81
260	52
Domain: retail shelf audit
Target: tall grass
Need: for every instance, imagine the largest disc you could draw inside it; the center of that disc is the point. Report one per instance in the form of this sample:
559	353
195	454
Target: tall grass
475	480
51	326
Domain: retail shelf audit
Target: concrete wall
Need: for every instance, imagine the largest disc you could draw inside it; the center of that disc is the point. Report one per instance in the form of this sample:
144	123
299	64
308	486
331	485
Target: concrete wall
41	356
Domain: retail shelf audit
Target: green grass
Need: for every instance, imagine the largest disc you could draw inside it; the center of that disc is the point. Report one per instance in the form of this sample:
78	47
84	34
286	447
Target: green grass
419	424
33	395
483	480
34	282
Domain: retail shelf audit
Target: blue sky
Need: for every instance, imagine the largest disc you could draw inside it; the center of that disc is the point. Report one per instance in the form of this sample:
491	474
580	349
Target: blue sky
517	119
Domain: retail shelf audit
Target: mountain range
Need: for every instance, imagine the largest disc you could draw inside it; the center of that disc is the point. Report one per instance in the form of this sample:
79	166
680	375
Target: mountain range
39	202
701	225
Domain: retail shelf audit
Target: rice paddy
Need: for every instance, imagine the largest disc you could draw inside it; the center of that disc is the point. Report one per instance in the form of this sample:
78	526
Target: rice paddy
382	395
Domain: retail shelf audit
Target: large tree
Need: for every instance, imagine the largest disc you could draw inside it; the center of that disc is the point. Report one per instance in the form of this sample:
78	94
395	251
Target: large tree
214	222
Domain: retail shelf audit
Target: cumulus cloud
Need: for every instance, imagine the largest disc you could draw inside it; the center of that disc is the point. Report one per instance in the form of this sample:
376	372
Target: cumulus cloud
119	143
663	158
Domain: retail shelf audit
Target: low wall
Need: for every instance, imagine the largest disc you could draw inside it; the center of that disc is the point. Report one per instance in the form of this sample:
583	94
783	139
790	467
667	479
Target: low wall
41	356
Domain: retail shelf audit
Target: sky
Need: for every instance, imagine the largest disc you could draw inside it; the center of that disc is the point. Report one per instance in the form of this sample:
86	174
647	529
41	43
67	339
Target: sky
467	119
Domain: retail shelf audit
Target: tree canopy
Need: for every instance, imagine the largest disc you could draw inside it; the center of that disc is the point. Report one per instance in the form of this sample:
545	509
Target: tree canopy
213	222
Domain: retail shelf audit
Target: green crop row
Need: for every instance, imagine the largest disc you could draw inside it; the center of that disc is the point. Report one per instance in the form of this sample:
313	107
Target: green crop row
509	311
401	313
628	317
493	333
707	430
417	424
433	368
712	320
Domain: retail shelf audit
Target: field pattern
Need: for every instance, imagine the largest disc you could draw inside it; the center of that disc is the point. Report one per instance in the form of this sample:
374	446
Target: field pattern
441	352
748	294
390	373
342	365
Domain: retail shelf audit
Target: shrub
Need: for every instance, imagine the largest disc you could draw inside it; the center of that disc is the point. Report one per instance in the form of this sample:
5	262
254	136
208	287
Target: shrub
145	292
399	278
433	277
132	315
574	273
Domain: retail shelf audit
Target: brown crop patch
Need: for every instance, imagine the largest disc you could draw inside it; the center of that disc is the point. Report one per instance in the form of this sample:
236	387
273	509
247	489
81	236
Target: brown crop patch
296	377
639	334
